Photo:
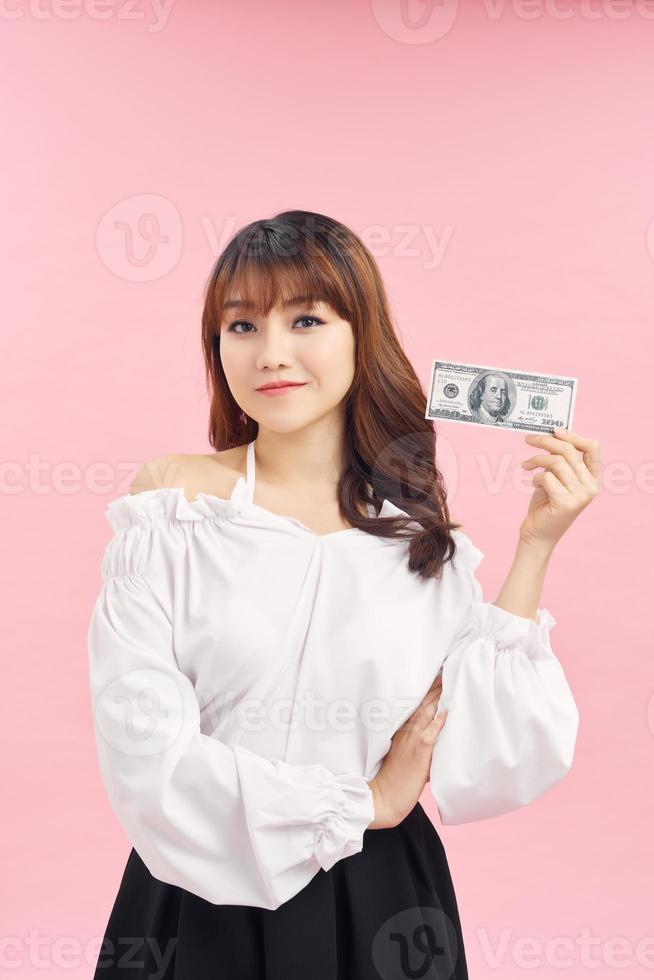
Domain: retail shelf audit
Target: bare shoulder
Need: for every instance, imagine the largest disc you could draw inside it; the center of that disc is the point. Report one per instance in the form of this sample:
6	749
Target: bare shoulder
211	473
156	473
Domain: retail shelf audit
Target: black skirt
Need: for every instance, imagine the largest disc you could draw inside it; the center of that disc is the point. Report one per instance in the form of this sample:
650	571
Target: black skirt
388	912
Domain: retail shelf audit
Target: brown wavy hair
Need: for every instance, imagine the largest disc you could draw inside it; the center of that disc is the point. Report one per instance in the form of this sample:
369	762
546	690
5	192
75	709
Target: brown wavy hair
390	447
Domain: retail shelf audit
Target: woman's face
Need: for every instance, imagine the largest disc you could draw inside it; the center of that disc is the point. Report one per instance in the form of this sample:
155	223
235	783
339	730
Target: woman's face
301	343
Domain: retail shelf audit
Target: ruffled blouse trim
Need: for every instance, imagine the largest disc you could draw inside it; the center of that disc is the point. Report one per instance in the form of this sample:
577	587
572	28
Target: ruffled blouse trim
505	629
352	809
389	509
467	555
169	504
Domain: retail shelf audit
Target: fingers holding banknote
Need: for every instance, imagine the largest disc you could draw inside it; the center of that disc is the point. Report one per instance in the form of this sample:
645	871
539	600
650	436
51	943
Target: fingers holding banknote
568	482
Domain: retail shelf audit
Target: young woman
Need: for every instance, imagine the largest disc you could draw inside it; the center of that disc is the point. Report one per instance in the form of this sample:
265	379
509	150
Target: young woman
290	643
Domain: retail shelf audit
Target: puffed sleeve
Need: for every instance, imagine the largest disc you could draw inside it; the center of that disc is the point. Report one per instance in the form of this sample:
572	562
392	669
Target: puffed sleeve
512	721
224	823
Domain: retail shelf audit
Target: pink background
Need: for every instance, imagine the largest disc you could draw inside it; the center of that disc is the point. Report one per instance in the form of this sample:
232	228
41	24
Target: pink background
519	137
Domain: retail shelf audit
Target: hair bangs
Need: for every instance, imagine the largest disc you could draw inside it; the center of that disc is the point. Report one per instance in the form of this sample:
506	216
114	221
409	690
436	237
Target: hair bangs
265	278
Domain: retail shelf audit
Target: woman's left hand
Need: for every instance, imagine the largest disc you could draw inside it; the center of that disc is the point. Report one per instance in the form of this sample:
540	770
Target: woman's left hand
565	486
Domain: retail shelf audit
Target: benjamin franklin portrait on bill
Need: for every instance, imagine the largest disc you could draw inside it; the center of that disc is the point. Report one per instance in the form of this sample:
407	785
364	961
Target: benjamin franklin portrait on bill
491	397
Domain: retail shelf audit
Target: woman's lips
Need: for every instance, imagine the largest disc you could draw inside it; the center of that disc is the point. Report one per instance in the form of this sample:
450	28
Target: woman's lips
280	391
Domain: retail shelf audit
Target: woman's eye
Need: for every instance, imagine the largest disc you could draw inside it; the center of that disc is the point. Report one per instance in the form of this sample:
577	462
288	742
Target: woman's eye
314	318
246	323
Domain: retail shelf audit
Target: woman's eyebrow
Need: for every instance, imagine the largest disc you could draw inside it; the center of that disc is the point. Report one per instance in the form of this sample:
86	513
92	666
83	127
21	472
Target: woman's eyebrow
294	301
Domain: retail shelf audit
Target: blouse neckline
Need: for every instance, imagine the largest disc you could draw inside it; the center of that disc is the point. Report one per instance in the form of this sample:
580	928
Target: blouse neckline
172	504
248	490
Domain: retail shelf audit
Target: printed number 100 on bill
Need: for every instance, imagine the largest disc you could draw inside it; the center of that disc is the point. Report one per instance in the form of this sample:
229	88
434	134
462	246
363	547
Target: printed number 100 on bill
502	397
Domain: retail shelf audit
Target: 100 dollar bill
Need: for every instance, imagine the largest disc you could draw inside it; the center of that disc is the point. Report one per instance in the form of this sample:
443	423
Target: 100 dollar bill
482	395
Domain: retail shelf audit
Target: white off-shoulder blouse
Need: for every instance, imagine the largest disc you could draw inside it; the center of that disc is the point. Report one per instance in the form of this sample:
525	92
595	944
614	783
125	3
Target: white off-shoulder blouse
247	675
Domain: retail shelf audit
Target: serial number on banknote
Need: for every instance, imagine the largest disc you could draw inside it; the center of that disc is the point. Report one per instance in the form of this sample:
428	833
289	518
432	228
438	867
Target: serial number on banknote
503	397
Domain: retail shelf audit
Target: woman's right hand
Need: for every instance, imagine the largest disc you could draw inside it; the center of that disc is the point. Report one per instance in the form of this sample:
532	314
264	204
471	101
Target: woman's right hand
405	770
